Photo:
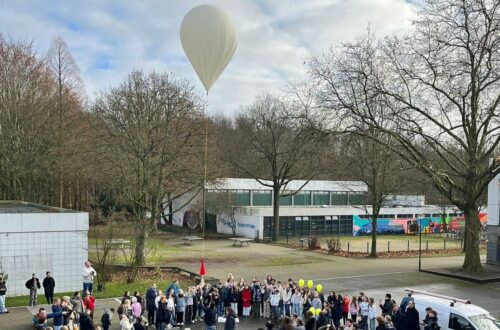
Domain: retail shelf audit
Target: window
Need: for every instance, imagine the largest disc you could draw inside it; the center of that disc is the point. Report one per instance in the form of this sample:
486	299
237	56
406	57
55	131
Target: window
485	322
321	198
356	198
339	198
262	198
302	198
458	322
240	197
285	200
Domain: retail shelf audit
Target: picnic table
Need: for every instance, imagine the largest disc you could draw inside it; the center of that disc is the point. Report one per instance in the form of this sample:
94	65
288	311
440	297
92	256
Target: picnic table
119	243
188	240
241	240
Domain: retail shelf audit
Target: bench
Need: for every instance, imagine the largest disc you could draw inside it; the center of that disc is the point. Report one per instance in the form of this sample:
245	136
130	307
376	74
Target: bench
119	243
188	240
241	240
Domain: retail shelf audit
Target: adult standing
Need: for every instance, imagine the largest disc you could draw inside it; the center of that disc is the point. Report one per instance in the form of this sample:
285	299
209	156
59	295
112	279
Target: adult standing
89	274
411	319
151	307
33	284
3	291
210	317
48	287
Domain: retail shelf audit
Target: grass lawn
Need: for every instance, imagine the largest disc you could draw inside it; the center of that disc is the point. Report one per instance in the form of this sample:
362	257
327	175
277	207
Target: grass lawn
113	290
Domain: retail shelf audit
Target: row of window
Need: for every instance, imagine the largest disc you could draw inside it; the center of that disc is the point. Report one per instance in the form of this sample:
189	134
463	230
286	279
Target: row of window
303	198
307	226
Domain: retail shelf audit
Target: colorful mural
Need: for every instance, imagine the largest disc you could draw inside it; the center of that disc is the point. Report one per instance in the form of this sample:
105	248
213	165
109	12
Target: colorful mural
362	226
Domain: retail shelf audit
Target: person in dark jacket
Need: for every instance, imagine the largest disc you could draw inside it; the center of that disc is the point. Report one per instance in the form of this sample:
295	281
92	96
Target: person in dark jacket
3	292
163	314
57	309
48	287
139	324
106	318
397	317
151	295
210	317
411	317
230	320
310	321
86	322
33	284
386	307
430	322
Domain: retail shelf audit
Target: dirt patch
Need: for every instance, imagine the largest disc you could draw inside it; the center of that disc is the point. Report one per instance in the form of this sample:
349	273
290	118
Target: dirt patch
151	274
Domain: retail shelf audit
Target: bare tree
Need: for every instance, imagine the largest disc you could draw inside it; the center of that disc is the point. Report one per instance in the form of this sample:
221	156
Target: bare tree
277	147
223	205
379	168
437	89
148	136
66	73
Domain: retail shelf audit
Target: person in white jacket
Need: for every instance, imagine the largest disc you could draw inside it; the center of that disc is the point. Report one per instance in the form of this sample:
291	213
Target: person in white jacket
372	314
125	323
88	274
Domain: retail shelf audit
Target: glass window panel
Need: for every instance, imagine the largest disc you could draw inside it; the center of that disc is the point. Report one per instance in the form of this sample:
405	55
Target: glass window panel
356	198
262	198
285	200
339	198
302	198
321	198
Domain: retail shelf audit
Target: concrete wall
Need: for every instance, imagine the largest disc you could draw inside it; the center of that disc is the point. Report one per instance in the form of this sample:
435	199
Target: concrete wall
40	242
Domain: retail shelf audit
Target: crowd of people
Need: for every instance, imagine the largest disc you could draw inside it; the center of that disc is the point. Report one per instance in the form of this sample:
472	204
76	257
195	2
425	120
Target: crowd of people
289	305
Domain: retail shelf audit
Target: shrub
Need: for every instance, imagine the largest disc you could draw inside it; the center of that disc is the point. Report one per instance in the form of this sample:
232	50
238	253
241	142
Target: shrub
313	243
334	244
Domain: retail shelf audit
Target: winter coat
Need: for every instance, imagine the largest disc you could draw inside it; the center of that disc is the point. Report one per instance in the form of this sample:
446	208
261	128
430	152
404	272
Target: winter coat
411	319
89	302
162	314
151	295
234	295
31	283
256	293
3	289
86	322
48	286
430	323
275	299
58	320
246	298
286	296
398	320
386	307
210	316
180	307
77	304
345	307
230	323
310	323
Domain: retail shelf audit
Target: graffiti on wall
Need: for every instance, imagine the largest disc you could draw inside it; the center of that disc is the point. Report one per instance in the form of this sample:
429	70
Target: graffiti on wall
363	226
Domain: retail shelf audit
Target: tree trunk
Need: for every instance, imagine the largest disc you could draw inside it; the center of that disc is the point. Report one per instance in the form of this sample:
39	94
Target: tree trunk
140	246
373	252
472	260
276	214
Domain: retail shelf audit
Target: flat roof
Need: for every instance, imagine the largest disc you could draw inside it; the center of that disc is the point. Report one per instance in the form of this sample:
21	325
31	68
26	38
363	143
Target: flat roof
25	207
313	185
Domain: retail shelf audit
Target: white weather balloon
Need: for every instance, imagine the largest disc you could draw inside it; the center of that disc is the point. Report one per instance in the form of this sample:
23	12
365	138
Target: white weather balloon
208	37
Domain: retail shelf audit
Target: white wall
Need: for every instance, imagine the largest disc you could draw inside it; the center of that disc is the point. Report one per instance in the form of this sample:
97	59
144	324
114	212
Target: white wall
40	242
493	202
246	226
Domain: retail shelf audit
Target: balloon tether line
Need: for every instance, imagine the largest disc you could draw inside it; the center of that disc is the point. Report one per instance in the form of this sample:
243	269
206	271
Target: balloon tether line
204	181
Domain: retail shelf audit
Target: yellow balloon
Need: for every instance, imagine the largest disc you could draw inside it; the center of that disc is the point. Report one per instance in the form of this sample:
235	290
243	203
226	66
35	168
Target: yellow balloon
318	311
319	288
312	310
310	284
301	282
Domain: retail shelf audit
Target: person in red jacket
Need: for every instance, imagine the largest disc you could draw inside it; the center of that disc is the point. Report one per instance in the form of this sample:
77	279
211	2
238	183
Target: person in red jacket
246	300
89	303
345	308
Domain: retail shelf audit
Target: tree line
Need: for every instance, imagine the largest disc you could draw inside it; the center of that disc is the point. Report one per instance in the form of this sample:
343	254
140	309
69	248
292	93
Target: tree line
416	113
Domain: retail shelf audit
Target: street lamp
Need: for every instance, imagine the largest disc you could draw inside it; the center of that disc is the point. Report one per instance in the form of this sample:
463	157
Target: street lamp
419	218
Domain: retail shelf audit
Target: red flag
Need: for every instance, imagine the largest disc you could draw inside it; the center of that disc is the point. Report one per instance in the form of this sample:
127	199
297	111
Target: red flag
203	271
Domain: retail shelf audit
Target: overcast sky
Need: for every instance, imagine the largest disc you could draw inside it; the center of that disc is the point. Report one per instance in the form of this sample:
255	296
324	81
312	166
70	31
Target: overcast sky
110	38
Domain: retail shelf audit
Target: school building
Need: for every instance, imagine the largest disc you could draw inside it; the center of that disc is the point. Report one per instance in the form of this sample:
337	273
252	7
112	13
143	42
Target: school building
319	208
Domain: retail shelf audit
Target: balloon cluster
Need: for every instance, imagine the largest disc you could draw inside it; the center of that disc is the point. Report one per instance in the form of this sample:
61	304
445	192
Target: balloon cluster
310	284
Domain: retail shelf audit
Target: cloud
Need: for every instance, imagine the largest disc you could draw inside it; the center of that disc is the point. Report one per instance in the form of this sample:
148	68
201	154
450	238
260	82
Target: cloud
110	38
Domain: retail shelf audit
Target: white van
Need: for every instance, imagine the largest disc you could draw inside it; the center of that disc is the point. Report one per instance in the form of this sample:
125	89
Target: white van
454	313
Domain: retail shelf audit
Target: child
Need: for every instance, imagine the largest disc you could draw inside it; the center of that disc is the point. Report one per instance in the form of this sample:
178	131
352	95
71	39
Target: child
57	309
189	305
180	307
106	318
